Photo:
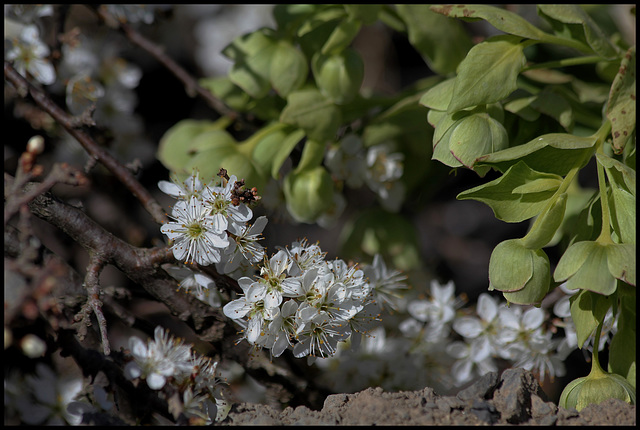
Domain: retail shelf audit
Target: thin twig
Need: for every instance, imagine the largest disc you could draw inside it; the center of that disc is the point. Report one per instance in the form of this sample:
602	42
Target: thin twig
113	165
60	173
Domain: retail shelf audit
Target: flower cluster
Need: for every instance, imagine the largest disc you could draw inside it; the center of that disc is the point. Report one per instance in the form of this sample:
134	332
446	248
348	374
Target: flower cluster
166	360
307	304
377	166
444	345
210	223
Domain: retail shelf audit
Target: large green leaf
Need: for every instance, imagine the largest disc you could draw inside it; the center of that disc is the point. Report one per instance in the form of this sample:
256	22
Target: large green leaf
501	19
312	112
621	107
179	143
342	36
574	14
507	204
623	200
488	73
546	228
555	153
442	42
439	96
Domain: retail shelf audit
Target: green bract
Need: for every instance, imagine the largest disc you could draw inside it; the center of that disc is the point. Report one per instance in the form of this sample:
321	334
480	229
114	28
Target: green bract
595	267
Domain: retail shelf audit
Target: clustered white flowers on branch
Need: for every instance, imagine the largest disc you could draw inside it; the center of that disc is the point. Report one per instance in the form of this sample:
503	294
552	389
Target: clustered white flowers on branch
304	303
166	360
210	223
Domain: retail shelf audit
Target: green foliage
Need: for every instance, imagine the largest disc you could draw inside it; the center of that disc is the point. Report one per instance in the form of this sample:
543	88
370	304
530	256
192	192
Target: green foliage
536	105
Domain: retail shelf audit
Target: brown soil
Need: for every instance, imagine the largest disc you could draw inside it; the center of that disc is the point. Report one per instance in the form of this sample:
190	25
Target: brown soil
513	398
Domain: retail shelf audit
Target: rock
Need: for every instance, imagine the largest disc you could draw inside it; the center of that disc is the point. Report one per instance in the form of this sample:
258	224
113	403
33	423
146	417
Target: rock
482	389
513	396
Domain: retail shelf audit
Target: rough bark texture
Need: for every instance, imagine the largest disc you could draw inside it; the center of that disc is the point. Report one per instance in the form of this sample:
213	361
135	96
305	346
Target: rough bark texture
514	398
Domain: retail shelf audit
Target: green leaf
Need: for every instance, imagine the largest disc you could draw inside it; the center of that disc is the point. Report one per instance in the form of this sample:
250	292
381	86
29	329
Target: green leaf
367	13
574	14
555	153
177	144
285	149
288	70
538	186
442	42
488	73
439	96
522	107
501	19
309	193
289	17
587	310
477	135
266	152
622	351
545	229
312	112
232	95
341	37
252	55
442	135
621	261
625	179
327	14
556	106
507	205
621	107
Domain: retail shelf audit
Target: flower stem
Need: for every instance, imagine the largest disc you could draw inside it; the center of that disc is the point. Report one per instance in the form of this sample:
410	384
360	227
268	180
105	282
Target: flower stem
596	369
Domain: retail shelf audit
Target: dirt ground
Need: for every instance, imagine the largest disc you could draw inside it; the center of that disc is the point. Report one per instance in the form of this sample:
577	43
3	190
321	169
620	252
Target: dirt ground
513	398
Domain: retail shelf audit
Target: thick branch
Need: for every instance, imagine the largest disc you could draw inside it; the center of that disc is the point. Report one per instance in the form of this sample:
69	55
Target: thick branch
121	172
